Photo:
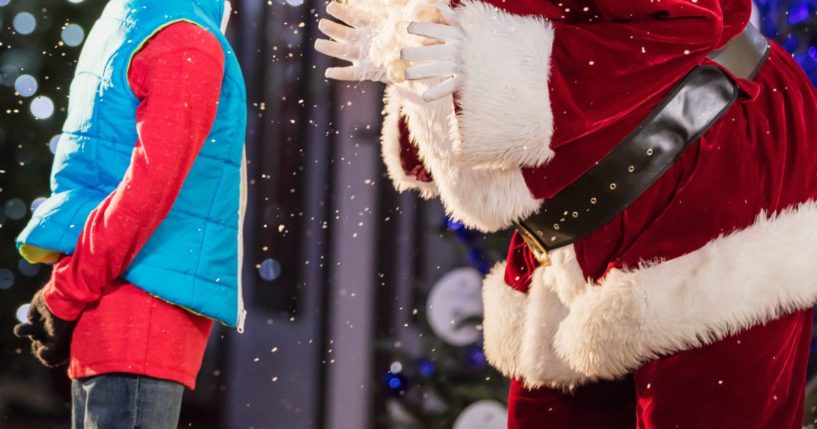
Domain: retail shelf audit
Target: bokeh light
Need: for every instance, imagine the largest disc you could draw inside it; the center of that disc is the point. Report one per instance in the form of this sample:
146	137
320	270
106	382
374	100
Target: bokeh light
8	74
73	35
24	23
426	367
394	382
6	279
53	143
26	85
270	269
42	107
22	313
4	2
28	269
15	209
36	203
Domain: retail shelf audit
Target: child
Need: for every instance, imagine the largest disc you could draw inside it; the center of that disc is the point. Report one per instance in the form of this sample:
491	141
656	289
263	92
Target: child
144	216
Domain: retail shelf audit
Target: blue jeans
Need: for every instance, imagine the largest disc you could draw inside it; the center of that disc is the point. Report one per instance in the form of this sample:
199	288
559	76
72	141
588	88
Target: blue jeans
124	401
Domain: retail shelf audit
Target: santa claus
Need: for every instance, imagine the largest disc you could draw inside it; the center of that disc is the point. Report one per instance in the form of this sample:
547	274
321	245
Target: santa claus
657	159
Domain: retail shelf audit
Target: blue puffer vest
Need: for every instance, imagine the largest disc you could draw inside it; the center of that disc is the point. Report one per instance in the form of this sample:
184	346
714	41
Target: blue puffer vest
192	259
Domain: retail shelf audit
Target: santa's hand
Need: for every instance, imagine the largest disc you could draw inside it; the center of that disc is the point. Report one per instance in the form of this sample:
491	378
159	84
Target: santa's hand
350	42
439	61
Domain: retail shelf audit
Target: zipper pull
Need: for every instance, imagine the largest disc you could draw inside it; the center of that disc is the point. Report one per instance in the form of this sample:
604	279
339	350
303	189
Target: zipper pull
242	317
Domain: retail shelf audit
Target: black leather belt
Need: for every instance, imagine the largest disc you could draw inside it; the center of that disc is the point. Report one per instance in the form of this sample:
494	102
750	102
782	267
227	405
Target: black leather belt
693	106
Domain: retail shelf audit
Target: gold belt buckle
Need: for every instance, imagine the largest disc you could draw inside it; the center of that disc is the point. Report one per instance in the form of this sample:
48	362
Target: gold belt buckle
539	251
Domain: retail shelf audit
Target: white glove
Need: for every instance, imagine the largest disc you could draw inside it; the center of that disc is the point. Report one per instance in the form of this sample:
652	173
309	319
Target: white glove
439	61
350	43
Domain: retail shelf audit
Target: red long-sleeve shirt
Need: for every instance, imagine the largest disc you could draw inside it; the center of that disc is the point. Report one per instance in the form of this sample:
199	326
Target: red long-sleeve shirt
120	328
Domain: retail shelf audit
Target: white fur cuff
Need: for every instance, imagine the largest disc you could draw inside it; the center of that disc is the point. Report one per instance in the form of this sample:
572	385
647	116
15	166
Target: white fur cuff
391	149
503	322
733	283
519	327
567	331
506	119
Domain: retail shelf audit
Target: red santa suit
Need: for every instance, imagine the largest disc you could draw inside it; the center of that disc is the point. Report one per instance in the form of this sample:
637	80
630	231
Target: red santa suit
690	309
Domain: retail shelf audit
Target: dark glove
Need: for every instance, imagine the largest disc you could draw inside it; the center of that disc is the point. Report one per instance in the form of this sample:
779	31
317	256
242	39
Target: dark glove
50	336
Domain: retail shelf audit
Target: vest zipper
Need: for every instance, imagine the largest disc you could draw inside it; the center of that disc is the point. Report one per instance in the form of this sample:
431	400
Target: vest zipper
242	208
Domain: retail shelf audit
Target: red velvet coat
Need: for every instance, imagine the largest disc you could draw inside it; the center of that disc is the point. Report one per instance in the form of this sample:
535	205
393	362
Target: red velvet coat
691	309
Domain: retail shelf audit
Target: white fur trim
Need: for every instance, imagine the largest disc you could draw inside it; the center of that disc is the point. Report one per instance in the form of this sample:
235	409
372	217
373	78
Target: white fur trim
519	327
506	118
504	320
731	284
488	199
485	199
391	150
540	365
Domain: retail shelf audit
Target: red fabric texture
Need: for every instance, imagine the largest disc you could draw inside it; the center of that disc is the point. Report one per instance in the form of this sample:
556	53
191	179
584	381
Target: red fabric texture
410	156
120	328
760	156
751	380
613	61
604	405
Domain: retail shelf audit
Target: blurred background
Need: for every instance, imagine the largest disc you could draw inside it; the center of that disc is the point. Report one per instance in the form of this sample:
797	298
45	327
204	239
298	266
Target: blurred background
364	304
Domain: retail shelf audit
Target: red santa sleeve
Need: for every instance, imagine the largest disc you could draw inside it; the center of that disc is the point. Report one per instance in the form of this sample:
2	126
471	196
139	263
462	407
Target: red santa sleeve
539	76
177	77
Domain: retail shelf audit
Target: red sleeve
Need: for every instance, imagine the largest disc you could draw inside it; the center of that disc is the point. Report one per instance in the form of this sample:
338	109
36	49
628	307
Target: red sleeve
177	76
612	65
627	54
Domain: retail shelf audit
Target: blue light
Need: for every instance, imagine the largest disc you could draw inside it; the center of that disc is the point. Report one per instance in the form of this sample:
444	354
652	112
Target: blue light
6	279
26	85
22	313
799	13
454	225
477	357
791	43
27	269
470	239
270	270
478	260
24	23
394	382
791	23
73	35
425	367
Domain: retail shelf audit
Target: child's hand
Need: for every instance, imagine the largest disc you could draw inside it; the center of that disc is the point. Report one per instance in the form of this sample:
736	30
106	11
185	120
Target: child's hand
38	255
50	336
